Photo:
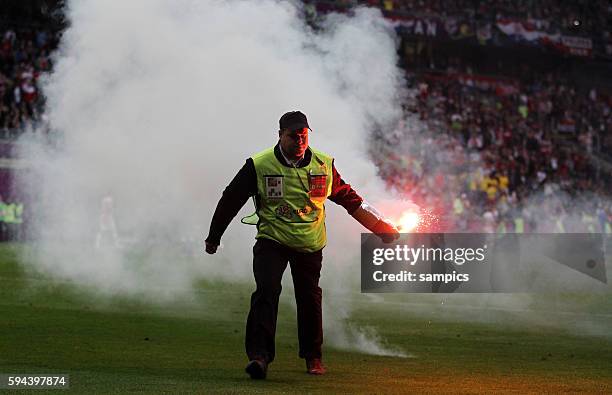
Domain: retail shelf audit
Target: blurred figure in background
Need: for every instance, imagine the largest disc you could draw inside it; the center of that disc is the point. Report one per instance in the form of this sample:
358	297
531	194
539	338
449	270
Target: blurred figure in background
107	230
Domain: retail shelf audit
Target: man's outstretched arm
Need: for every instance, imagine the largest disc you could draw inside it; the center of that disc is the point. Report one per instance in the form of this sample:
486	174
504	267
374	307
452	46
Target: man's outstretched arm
243	186
344	195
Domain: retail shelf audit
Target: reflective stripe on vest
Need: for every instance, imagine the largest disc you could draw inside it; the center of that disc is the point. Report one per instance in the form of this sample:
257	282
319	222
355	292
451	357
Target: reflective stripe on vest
291	206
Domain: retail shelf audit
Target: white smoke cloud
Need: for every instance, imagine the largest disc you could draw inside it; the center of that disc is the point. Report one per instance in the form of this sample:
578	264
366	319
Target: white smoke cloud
158	103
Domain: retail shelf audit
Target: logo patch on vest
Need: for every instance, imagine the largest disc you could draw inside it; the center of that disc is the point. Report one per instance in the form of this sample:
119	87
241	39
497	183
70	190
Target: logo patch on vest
274	186
317	185
284	210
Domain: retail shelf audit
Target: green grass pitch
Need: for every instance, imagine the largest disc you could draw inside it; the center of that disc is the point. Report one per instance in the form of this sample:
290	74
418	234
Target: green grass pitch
122	345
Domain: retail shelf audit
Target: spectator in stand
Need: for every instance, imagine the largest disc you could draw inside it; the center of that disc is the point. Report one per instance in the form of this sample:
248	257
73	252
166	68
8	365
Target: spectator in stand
24	55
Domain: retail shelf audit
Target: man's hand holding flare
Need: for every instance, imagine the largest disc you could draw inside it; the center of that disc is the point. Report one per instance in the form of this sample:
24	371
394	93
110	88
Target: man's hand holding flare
375	223
386	231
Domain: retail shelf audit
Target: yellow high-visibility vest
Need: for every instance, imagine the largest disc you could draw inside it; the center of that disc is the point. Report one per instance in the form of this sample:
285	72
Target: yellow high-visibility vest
19	213
291	206
9	213
458	206
519	225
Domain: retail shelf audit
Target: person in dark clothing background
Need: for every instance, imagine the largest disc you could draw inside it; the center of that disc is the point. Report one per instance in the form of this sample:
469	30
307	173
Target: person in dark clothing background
290	183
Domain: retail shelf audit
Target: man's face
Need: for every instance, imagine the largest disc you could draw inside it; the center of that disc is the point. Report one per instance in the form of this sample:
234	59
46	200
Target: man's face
294	142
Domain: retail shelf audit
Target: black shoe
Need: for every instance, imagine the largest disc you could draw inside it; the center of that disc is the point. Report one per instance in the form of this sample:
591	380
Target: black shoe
257	369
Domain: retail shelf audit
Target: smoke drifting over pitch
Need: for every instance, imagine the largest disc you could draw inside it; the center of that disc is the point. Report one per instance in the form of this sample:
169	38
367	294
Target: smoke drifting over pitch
159	102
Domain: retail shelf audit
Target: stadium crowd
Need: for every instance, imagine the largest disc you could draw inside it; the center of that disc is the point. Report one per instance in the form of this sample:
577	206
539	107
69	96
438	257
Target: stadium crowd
577	17
509	149
24	55
549	15
502	160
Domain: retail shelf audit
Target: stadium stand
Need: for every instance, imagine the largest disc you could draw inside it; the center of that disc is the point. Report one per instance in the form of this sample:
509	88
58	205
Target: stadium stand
515	94
29	32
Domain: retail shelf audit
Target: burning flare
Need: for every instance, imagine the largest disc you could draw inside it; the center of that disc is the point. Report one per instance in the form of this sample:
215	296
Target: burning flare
408	221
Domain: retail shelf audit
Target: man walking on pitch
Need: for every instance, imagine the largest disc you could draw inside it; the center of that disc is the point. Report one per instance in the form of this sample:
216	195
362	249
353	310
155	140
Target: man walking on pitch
290	183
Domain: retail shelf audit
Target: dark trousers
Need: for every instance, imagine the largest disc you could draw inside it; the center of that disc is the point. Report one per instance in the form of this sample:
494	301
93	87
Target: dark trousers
269	262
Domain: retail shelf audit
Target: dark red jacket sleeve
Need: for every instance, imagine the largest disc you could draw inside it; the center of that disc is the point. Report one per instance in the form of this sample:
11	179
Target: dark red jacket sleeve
343	194
243	186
